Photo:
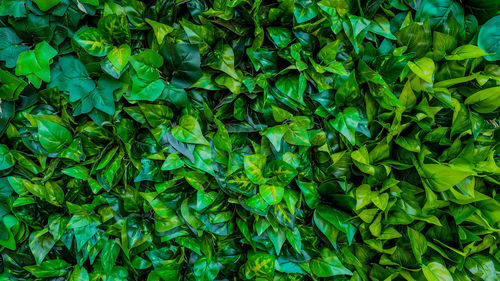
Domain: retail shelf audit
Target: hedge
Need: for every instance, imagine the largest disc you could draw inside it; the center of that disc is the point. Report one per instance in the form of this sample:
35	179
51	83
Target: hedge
249	140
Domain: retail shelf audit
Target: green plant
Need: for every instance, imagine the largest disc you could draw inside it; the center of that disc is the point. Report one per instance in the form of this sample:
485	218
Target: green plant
249	140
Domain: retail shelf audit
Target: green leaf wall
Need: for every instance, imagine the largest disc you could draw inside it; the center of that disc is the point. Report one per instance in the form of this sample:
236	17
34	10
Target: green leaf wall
249	140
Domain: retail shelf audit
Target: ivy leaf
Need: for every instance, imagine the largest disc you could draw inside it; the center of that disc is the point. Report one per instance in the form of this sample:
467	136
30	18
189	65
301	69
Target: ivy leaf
53	137
10	47
292	87
206	269
92	41
259	265
328	265
346	123
45	5
41	242
189	131
223	59
182	63
11	86
161	30
254	165
36	64
71	76
272	194
119	56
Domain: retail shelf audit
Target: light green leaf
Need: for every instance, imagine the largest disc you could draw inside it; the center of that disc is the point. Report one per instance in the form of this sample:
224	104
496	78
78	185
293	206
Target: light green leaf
50	268
189	131
254	165
119	56
346	123
45	5
466	52
435	271
161	30
441	177
91	39
273	194
423	68
418	243
35	64
485	101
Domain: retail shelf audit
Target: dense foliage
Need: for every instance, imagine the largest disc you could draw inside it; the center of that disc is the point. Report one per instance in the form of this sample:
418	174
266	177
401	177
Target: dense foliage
249	140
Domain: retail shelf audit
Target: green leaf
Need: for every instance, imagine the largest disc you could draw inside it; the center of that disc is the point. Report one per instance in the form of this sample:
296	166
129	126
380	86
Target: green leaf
79	274
482	266
466	52
280	36
280	173
11	86
272	194
53	137
423	68
254	165
441	177
35	64
45	5
119	56
77	172
49	268
294	238
338	219
71	76
182	63
488	39
435	271
239	182
161	30
41	242
223	60
290	86
92	41
6	158
346	123
328	265
259	265
189	131
11	46
418	243
201	35
206	269
485	101
310	192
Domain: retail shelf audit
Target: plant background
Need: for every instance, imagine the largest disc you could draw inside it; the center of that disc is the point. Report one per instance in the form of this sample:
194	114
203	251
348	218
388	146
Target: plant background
249	140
